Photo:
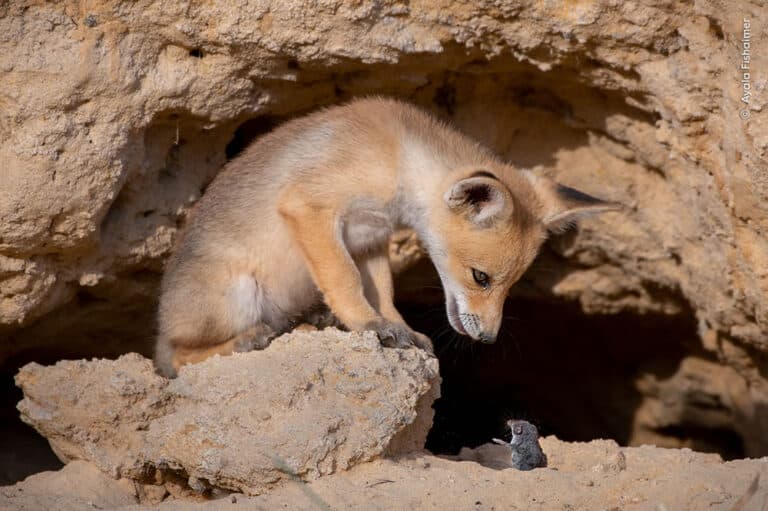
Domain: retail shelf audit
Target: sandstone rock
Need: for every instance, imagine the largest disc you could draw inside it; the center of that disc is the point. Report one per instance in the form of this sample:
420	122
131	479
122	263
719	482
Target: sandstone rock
699	392
309	405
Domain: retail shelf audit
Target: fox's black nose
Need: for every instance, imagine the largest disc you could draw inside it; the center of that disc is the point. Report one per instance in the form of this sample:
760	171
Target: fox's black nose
486	338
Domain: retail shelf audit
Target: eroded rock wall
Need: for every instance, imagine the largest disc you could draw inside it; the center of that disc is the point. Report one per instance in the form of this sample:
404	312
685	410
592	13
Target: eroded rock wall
114	117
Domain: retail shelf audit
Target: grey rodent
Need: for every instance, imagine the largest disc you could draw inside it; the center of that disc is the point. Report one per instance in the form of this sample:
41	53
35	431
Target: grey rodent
526	451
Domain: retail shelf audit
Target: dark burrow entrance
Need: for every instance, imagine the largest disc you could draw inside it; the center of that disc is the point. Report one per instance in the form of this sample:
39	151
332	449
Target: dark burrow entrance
571	374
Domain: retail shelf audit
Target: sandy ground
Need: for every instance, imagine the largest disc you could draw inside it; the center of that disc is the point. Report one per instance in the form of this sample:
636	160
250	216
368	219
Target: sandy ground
598	475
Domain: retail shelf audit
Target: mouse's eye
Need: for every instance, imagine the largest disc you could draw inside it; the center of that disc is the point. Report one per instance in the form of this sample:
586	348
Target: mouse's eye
481	278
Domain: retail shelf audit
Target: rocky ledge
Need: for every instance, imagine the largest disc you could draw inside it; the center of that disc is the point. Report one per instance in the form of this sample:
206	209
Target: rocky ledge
311	404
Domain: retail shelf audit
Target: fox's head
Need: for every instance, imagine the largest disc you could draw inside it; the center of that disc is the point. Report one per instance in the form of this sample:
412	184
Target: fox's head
487	228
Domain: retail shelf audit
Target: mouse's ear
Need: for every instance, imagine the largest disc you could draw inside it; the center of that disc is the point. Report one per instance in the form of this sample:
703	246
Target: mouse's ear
561	206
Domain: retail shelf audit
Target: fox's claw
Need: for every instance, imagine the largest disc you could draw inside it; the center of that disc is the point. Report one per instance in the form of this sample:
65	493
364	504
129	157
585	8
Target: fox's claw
397	335
321	318
392	335
257	337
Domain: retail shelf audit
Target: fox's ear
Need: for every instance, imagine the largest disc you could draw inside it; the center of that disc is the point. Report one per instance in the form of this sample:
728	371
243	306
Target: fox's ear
562	206
484	200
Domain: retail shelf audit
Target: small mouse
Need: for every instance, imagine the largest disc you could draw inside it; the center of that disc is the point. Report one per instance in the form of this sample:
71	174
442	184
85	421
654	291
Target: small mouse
526	451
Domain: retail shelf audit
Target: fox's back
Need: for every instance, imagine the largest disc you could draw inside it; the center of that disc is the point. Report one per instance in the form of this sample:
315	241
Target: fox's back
354	138
368	143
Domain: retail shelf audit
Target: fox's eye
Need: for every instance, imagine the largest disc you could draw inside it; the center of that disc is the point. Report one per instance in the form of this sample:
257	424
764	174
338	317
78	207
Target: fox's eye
480	277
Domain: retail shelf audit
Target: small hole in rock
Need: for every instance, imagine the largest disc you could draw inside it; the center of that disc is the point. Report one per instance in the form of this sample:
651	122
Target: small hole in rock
247	132
715	28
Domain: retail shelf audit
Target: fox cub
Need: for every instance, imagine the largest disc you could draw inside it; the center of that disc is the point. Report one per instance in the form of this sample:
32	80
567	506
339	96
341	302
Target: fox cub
304	216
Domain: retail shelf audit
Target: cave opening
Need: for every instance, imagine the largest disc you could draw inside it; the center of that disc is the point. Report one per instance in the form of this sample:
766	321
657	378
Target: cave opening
572	374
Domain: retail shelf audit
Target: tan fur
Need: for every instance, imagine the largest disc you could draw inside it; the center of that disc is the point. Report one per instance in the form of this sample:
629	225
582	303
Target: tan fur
304	215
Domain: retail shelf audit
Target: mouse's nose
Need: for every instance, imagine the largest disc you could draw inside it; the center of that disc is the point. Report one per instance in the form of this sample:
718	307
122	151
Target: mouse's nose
486	338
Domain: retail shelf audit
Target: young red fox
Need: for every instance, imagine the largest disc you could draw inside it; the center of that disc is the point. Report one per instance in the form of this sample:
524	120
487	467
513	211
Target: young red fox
305	214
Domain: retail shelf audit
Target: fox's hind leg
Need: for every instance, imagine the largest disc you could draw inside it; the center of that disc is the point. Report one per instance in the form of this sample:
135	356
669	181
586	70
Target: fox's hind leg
318	318
256	337
219	314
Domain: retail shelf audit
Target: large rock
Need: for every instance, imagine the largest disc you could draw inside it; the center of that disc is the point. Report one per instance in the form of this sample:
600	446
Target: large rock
309	405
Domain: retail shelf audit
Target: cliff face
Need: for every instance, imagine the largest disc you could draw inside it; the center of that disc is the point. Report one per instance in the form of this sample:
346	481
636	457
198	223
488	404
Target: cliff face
114	117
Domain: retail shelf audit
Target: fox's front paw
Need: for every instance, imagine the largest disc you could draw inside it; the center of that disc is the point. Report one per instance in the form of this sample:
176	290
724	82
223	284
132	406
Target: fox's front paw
397	335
